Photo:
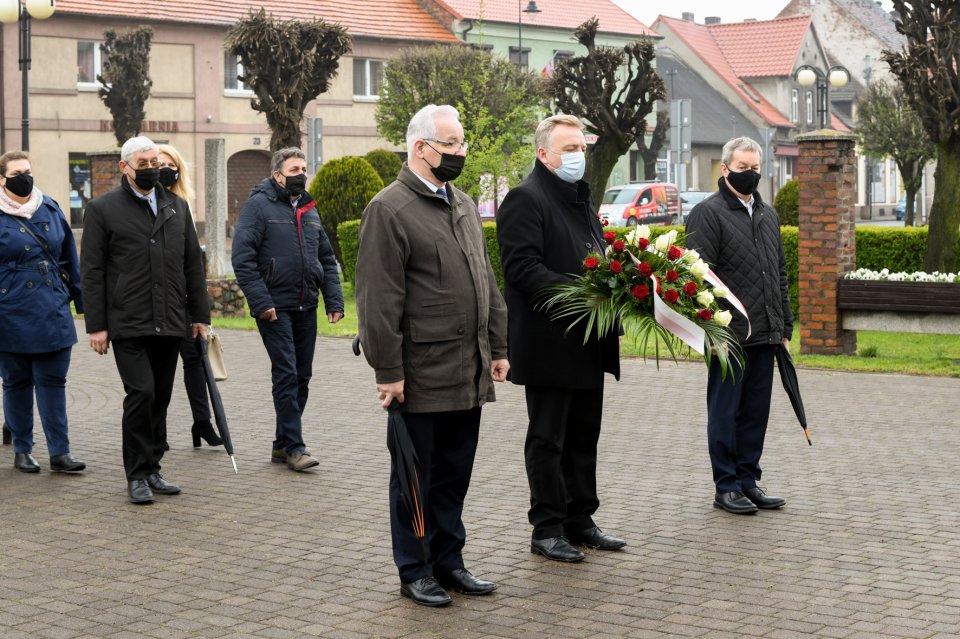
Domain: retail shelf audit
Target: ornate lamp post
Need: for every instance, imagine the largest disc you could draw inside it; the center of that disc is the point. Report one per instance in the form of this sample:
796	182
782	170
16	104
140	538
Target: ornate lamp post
22	11
807	76
531	8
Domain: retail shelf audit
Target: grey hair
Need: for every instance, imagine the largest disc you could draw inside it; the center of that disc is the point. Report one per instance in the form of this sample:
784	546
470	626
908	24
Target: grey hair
423	125
281	156
136	145
545	128
739	144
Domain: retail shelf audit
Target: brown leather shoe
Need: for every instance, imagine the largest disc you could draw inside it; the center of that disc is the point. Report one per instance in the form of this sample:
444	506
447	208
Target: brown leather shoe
301	461
278	456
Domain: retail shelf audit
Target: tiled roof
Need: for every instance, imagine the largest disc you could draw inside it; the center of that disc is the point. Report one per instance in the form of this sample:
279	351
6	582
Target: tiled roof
868	13
701	40
567	14
404	20
766	48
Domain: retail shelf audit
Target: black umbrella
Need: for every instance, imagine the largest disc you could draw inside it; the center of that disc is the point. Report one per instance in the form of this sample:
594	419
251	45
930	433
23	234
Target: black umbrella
219	415
407	467
788	375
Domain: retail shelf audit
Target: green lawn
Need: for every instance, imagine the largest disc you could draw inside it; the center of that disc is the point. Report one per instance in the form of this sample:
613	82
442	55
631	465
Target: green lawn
877	352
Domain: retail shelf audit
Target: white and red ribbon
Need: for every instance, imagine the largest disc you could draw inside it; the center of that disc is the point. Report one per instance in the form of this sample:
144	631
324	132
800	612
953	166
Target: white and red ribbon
736	303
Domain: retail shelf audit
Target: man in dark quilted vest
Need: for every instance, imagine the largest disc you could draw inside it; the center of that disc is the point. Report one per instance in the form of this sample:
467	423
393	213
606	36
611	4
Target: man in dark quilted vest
738	234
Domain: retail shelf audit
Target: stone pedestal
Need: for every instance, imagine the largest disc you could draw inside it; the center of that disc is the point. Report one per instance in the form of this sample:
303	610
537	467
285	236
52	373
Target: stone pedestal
226	298
826	245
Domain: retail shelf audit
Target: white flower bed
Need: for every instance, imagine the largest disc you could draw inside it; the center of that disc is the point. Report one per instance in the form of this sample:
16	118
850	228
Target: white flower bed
885	274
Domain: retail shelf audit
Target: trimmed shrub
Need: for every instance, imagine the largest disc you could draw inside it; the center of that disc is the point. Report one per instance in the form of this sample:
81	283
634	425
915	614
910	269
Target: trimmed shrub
787	203
493	249
385	163
349	236
342	189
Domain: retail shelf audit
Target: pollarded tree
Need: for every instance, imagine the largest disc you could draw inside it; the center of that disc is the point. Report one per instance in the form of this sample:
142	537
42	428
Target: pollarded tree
286	64
927	67
613	90
649	153
125	82
888	125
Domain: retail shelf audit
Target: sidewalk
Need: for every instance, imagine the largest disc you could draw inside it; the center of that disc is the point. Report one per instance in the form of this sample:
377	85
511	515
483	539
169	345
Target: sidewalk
868	546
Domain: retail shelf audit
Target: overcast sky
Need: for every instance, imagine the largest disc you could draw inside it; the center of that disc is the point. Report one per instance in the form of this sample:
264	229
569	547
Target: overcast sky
647	10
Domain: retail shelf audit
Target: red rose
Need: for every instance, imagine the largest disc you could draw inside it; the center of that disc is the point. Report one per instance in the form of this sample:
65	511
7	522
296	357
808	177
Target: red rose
672	275
705	314
640	291
690	289
590	263
671	296
615	266
619	245
606	222
674	253
609	236
643	243
645	269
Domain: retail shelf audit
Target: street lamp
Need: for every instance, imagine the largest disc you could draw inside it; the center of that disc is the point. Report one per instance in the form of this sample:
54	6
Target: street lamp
838	76
21	11
531	8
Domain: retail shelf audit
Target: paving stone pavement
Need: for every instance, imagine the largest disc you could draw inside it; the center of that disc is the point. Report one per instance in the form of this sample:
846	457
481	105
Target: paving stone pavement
868	546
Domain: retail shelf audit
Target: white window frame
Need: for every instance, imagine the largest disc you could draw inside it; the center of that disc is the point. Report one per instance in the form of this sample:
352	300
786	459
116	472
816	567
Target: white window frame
368	97
795	106
97	66
241	91
809	108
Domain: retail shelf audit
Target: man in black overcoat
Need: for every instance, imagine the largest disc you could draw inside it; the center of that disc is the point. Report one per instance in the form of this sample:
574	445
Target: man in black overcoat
546	227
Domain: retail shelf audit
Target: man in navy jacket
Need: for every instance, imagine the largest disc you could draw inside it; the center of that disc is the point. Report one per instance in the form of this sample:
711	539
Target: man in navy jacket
284	261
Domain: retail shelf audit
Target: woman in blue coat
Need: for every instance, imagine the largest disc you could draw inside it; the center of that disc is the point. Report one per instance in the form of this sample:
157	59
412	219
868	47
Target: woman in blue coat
39	275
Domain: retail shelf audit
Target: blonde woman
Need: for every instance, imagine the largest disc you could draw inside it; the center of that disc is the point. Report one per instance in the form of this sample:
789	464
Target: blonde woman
175	178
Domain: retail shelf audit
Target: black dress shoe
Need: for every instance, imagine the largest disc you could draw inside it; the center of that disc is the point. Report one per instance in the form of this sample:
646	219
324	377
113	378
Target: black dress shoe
161	485
204	430
25	463
66	464
762	500
425	592
734	502
596	538
556	548
462	581
139	491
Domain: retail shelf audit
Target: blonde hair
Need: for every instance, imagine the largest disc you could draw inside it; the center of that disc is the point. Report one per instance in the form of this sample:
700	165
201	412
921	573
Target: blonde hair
9	157
183	187
545	128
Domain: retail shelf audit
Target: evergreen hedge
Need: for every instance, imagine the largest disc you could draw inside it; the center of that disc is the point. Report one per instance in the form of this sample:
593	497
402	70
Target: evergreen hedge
342	189
385	163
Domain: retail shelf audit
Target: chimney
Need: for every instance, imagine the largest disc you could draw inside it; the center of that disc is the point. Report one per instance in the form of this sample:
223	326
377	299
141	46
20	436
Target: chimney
687	16
711	20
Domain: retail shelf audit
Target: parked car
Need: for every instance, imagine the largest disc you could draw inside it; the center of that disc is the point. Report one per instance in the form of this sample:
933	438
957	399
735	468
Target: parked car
901	209
641	203
690	199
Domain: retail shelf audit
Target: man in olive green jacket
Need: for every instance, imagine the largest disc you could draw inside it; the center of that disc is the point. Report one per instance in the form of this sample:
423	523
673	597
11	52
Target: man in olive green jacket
433	327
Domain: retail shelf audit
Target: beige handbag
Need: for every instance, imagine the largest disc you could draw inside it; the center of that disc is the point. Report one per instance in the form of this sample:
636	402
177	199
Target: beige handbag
215	355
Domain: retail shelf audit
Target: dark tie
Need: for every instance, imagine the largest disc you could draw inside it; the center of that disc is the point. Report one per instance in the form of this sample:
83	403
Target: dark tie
442	193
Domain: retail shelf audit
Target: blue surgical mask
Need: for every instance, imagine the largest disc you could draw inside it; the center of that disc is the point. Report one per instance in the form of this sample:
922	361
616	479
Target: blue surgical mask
574	164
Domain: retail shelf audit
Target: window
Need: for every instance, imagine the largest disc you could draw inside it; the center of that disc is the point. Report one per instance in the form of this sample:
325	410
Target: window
89	64
367	78
795	106
81	189
520	57
809	107
232	70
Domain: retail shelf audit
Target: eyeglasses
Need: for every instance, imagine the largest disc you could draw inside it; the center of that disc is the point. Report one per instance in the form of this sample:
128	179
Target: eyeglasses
452	146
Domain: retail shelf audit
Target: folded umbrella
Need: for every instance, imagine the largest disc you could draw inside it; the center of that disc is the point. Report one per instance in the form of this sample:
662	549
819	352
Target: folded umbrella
216	401
407	469
788	375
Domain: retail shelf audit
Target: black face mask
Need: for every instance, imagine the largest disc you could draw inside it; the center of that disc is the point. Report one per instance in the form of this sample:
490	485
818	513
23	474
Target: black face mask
147	178
168	176
744	182
450	167
20	185
296	184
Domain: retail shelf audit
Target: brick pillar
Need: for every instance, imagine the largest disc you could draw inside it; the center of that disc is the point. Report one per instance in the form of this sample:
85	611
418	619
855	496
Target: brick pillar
826	245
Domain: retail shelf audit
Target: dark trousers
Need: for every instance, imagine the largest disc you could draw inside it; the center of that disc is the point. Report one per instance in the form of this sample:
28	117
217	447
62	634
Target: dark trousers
737	412
147	367
195	380
446	444
561	458
290	342
43	373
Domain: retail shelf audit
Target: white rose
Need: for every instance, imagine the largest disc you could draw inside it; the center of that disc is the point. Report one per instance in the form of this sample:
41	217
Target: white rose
720	291
672	234
691	256
699	269
643	231
663	243
631	237
704	298
723	318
